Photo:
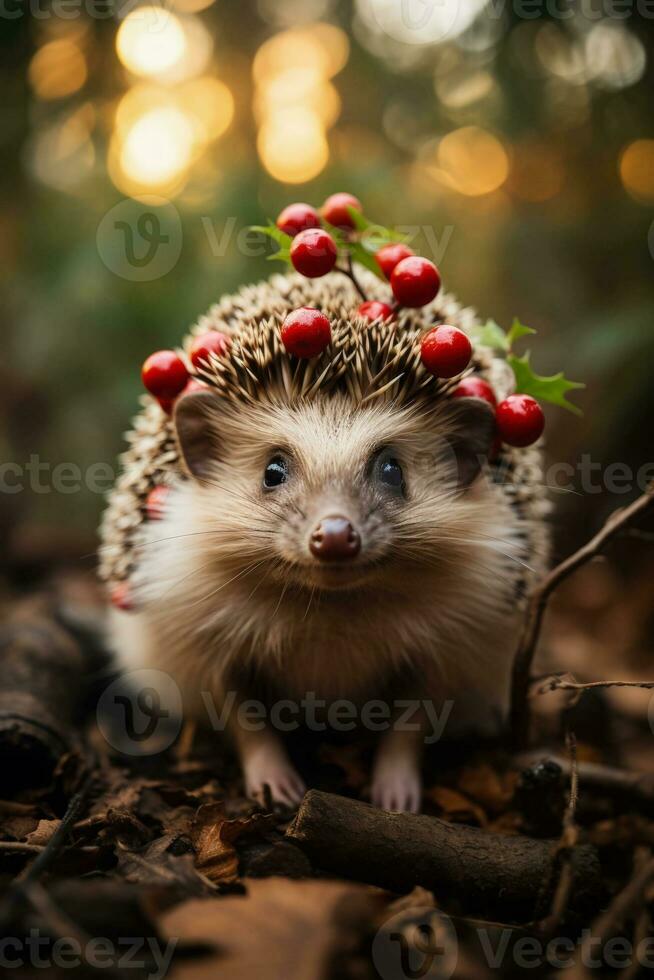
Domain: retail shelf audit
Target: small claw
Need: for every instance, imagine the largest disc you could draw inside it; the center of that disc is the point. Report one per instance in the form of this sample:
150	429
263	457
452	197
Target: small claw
278	775
397	792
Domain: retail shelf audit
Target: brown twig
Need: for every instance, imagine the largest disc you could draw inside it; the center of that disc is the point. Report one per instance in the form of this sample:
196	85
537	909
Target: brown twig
568	842
19	847
559	683
351	275
539	598
624	905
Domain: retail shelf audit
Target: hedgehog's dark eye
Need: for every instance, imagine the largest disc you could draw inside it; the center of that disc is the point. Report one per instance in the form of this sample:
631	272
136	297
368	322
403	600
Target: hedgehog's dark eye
388	471
275	473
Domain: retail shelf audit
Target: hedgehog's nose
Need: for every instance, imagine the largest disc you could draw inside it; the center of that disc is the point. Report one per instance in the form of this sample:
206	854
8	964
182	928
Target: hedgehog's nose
335	539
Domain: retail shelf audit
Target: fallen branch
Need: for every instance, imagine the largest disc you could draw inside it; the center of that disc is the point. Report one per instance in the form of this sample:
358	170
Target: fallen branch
468	869
42	670
537	605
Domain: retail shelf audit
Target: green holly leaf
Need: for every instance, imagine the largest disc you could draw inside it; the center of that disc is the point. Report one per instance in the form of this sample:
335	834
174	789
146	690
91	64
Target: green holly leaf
549	389
374	236
360	254
280	237
517	331
491	335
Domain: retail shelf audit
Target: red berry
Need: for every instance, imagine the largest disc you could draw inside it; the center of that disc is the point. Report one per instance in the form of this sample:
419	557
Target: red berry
155	503
306	332
298	217
372	309
164	374
212	342
520	420
313	253
389	255
415	281
475	387
335	209
166	405
121	597
445	351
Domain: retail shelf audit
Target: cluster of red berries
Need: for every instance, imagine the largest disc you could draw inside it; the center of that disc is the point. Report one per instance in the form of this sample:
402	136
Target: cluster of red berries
415	281
519	419
166	376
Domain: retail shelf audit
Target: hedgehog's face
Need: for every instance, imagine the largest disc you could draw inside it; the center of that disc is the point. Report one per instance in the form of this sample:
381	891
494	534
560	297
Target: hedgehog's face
325	496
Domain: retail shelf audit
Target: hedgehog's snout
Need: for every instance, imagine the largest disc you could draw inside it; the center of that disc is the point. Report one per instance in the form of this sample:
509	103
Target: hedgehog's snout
335	539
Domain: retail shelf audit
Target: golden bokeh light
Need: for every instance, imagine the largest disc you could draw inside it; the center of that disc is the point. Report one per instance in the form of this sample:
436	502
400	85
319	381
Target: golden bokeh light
160	133
151	41
292	145
458	90
472	161
57	70
158	147
637	170
190	6
294	100
322	48
297	87
211	102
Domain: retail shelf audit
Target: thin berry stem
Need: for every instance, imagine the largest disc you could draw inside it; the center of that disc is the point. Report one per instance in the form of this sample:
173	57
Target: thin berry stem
349	272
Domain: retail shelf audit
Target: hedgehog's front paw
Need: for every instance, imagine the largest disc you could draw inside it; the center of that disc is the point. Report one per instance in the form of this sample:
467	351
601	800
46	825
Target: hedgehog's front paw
396	782
268	765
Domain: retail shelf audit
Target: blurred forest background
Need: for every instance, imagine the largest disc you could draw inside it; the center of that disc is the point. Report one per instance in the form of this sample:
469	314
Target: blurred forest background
518	135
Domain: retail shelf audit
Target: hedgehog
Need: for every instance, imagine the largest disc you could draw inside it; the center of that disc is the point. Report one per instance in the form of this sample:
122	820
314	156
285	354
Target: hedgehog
332	529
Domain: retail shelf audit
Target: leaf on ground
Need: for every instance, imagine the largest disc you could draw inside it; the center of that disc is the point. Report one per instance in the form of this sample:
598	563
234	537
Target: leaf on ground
491	789
455	807
280	928
159	864
17	820
214	835
43	832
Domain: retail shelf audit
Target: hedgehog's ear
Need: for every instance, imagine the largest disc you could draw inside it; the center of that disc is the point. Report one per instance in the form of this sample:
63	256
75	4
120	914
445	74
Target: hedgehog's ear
472	435
196	425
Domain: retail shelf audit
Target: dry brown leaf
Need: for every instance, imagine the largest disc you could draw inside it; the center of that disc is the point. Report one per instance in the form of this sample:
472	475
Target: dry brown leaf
493	790
213	836
279	929
43	832
455	807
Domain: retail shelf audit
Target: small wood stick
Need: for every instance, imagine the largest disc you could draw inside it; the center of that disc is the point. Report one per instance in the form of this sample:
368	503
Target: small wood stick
617	522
